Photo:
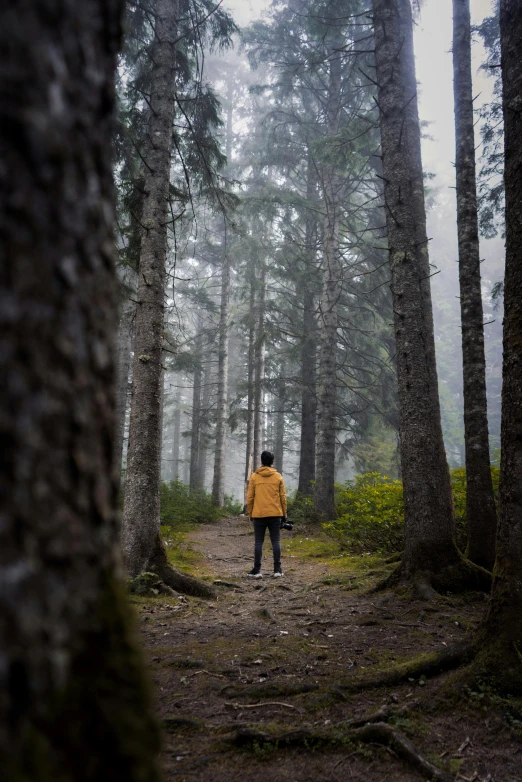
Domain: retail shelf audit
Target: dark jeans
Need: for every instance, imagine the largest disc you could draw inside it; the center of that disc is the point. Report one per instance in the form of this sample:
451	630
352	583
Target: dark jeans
272	523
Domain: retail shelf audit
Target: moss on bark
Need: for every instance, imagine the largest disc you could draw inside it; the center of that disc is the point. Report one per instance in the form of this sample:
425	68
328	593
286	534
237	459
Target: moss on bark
98	725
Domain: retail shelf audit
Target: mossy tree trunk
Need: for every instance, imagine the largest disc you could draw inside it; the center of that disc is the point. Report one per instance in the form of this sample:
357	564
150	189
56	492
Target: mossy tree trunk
480	503
501	647
74	705
430	556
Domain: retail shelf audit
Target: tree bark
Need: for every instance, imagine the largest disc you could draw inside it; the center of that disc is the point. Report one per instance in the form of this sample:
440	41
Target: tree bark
74	705
218	487
250	422
480	503
430	552
123	359
259	376
279	427
176	433
501	646
309	348
141	504
195	436
186	459
204	426
324	500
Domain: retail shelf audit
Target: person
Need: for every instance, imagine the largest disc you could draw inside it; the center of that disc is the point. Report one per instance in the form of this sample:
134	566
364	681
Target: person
266	506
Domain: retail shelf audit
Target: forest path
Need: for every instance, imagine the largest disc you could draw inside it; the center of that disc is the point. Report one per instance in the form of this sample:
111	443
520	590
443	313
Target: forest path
302	635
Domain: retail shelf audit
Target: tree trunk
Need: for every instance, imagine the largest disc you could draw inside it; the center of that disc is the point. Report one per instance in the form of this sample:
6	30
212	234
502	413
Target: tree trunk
324	499
218	487
195	437
176	433
123	358
259	379
309	349
204	424
308	398
141	503
430	555
250	422
186	459
279	427
74	705
501	645
480	504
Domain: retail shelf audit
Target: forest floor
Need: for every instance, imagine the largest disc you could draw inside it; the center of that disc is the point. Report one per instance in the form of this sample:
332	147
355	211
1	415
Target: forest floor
275	655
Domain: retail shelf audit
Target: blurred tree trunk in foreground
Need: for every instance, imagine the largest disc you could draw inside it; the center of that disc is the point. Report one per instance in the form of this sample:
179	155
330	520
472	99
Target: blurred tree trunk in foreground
480	504
74	705
431	557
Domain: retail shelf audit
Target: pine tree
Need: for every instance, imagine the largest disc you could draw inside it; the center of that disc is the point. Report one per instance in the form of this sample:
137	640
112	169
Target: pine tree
480	503
431	557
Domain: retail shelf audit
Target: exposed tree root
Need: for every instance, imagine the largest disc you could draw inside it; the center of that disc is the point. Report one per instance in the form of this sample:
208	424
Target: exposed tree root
426	664
455	574
267	690
376	733
180	582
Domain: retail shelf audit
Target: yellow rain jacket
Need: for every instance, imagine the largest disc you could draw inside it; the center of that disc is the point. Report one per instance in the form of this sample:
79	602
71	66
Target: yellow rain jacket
266	494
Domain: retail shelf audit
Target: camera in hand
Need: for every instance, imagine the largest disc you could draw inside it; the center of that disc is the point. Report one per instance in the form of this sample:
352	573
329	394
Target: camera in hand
285	524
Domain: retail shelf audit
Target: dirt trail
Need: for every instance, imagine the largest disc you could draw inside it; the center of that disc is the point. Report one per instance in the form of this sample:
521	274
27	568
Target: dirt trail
305	637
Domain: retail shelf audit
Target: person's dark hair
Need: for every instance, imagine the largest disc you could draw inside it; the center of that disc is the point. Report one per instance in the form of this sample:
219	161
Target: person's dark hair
267	459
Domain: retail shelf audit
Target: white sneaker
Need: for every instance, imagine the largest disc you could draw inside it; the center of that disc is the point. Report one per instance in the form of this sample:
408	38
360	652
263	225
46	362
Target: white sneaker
278	573
254	574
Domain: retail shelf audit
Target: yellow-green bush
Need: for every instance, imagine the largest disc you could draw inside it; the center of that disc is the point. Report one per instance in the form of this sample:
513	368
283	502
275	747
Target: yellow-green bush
371	512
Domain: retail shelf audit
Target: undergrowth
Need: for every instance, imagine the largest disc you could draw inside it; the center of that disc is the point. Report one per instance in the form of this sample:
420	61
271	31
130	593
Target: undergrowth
181	505
371	512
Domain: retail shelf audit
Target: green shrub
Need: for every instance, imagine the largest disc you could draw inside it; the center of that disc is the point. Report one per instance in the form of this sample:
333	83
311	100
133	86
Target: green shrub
300	508
180	505
233	507
371	512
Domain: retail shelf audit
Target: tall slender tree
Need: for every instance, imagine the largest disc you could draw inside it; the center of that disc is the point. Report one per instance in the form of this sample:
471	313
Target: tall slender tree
480	502
73	702
140	524
332	280
218	486
431	557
